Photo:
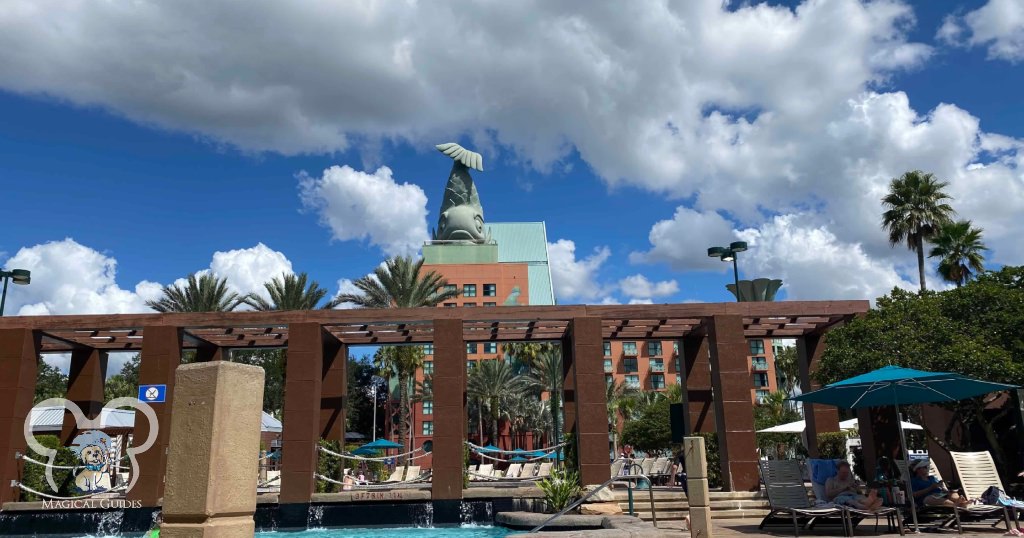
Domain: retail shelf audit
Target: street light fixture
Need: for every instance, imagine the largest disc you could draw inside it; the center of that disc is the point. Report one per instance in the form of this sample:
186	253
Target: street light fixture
728	254
22	277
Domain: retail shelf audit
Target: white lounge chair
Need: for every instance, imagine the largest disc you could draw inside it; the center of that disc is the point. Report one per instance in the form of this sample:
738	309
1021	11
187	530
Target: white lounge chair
977	473
485	470
513	470
617	467
529	469
544	470
412	472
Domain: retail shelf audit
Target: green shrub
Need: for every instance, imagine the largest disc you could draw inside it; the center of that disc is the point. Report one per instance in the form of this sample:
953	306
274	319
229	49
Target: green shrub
832	446
465	467
714	459
332	467
34	476
560	489
652	432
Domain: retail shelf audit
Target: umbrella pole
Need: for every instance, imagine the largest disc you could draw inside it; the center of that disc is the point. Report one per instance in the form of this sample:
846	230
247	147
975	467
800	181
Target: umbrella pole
906	456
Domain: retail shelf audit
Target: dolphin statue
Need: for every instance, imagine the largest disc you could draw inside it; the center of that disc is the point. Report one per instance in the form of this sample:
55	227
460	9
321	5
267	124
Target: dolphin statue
462	216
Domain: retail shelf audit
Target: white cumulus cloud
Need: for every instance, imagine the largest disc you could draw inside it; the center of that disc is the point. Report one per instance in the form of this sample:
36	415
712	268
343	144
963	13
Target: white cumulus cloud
683	240
998	25
640	288
371	207
576	278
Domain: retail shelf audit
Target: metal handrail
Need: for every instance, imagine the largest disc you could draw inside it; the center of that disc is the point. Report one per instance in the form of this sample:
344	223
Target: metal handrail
619	478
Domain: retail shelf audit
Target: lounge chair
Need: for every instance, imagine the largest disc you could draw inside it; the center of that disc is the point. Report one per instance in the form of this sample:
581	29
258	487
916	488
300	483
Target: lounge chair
660	469
485	470
617	466
397	475
412	472
544	470
647	465
977	473
513	470
787	495
529	469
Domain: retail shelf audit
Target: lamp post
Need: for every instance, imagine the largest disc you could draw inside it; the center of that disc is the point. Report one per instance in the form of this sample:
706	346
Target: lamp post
728	254
21	277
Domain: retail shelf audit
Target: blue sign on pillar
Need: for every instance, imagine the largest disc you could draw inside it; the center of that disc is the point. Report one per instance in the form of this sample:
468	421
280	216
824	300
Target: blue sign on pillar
153	393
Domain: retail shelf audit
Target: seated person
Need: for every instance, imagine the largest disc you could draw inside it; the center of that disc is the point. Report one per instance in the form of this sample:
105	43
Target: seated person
842	489
930	491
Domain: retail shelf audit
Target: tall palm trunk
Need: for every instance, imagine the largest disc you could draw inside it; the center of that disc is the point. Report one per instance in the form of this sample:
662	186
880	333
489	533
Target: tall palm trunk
553	406
403	412
920	259
494	421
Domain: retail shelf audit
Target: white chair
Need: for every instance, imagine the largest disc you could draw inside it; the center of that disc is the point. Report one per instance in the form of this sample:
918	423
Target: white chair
977	473
544	470
513	470
397	475
412	472
529	469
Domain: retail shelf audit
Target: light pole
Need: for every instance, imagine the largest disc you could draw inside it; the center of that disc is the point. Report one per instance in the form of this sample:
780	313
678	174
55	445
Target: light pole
20	276
728	254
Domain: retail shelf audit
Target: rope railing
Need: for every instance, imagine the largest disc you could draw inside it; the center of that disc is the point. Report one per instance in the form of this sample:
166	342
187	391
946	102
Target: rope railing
23	487
381	458
549	449
365	485
25	457
489	478
502	460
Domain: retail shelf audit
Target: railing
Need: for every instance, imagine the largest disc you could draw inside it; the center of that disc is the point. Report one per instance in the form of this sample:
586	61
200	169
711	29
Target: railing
619	478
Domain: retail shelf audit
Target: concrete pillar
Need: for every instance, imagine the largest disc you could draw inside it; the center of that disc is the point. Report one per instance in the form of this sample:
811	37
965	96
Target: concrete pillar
19	356
734	411
303	373
591	409
86	374
449	410
698	496
334	391
819	418
696	364
161	355
212	464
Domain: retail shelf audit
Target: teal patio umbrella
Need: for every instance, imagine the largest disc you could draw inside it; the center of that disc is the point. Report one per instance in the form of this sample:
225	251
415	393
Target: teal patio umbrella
363	451
488	448
381	444
518	459
895	385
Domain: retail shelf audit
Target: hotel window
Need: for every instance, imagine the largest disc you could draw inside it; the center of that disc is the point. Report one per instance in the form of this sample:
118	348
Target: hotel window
450	305
490	304
633	381
678	364
468	304
629	348
428	427
761	396
428	407
451	287
675	347
608	368
428	367
629	364
760	380
469	290
757	347
654	349
759	363
490	290
428	384
428	349
679	379
657	381
471	348
609	380
607	349
657	365
470	365
490	347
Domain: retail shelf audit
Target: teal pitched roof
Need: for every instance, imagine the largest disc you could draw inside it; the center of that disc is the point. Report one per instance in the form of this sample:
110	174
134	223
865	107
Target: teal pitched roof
526	242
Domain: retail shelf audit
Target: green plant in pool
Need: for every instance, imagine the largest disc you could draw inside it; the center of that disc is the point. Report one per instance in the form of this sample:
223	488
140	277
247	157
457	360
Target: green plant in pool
560	489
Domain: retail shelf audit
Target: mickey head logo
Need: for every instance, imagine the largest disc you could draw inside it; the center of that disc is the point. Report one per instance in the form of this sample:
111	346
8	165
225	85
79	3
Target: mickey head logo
91	452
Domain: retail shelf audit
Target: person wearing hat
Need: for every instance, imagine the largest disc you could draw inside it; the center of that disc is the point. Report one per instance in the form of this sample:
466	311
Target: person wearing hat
930	491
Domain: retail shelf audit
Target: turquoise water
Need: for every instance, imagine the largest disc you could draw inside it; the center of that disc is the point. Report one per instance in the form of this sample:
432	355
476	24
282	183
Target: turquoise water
465	531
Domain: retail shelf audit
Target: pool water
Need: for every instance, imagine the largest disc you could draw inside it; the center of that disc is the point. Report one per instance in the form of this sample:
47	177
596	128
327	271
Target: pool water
465	531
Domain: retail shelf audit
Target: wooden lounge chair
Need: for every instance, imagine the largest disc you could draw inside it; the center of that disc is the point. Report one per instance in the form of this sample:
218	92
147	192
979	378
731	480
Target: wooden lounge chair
544	470
513	470
397	475
787	496
977	473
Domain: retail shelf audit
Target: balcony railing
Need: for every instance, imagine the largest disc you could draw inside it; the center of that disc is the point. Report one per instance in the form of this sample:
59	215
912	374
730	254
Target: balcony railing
608	368
761	366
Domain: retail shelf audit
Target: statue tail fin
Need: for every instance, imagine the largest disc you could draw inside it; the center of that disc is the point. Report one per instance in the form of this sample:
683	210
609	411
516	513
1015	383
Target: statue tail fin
460	154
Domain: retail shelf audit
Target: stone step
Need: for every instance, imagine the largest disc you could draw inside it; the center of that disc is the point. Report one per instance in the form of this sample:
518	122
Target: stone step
676	515
639	503
678	494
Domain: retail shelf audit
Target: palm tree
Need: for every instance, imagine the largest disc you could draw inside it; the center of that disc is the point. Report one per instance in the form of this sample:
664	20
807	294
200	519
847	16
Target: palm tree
620	398
291	292
493	381
547	376
205	293
787	369
959	249
527	353
401	362
399	284
915	208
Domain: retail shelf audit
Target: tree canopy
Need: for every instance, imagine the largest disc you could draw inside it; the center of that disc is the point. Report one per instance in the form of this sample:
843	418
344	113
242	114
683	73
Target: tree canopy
652	431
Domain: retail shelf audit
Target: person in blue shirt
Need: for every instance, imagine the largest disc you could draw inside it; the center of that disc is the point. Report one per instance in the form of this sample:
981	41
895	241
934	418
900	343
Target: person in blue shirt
930	491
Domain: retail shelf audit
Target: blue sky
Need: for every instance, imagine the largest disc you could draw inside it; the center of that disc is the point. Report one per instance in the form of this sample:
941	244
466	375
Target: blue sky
138	141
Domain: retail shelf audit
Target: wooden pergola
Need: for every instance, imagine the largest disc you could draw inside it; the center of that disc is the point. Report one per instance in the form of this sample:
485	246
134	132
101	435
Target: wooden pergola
712	336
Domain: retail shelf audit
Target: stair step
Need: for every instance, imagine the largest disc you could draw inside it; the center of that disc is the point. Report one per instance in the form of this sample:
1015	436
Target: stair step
673	515
683	505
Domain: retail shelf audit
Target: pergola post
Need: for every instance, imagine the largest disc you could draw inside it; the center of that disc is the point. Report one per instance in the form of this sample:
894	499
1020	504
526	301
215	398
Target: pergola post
734	412
304	374
86	375
696	378
334	391
449	412
19	356
212	353
161	355
591	409
568	387
819	418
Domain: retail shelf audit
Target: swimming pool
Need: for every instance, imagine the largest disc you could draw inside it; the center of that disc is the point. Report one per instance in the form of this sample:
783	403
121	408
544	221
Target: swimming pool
465	531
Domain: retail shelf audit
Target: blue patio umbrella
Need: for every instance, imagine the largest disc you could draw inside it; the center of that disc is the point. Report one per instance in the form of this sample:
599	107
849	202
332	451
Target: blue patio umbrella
381	444
518	459
488	448
895	385
539	454
363	451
